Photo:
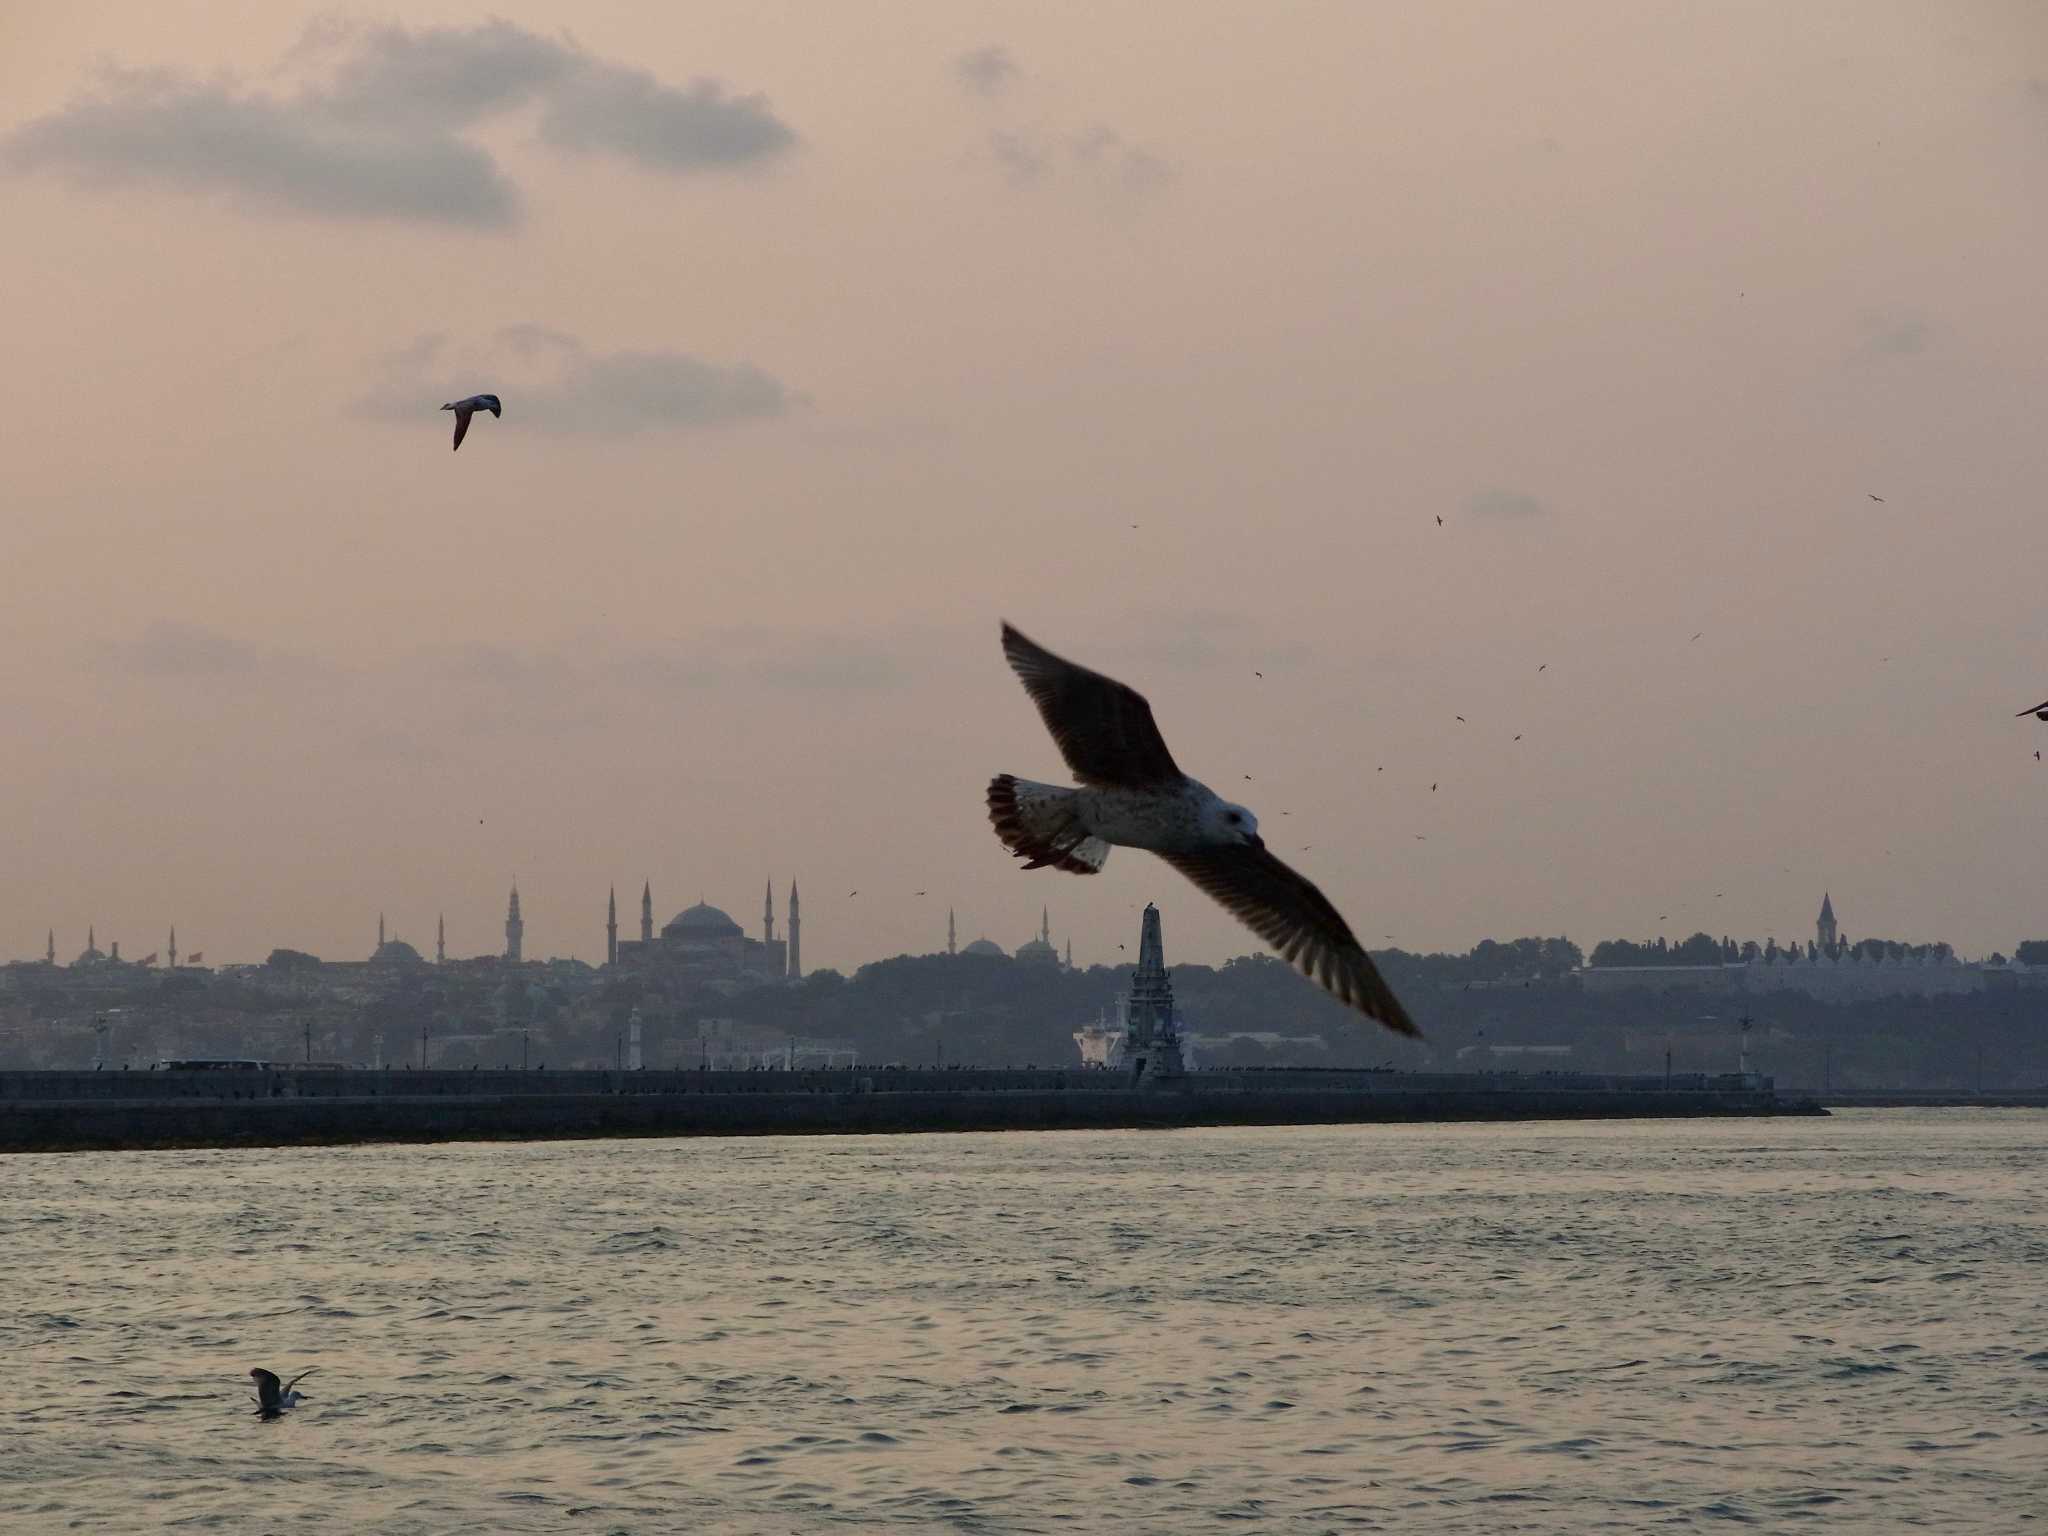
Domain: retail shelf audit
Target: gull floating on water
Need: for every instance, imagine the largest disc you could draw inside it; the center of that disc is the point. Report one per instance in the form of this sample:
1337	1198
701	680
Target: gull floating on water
273	1398
1134	795
464	409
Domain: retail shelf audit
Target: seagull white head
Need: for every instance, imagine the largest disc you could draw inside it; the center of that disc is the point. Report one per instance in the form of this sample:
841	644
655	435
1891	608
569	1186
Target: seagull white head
1232	826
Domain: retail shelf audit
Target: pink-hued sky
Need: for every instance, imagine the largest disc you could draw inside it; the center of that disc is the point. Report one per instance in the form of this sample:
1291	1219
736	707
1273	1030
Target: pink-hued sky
829	335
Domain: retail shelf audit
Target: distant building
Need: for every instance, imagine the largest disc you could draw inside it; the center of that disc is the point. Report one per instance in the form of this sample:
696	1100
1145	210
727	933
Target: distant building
703	943
1829	970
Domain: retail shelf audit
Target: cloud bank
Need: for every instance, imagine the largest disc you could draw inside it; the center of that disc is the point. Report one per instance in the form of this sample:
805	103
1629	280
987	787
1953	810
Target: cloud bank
381	136
985	71
551	382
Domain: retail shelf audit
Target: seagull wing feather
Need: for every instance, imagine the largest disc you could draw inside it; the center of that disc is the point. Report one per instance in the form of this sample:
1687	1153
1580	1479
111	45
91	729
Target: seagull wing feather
1289	913
1103	728
462	415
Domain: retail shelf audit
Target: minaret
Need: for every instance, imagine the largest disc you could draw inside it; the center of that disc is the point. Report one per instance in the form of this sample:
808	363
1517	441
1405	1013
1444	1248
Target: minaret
92	939
1826	926
1070	954
611	928
768	913
796	932
1045	926
50	950
647	913
380	930
952	934
174	946
441	939
515	929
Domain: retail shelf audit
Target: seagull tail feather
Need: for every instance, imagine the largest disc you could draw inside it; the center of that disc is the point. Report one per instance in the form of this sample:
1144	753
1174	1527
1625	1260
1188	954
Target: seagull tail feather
1037	823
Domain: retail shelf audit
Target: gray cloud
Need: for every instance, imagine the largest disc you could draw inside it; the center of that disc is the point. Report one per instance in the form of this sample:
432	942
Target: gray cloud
1495	502
629	113
1022	158
985	71
381	138
552	383
1896	335
1131	167
264	153
170	648
1101	157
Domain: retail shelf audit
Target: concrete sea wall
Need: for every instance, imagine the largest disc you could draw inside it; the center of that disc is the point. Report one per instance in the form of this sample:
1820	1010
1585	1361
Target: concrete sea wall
77	1111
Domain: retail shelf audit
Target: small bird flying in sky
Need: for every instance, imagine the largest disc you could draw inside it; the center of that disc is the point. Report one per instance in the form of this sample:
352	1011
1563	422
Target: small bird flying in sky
273	1398
1133	793
1873	496
464	409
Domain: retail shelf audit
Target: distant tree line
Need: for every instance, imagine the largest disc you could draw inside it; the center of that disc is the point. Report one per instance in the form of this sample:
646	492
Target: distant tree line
1704	949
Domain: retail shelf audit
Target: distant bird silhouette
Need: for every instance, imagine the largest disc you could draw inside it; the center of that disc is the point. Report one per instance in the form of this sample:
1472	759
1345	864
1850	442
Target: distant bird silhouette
272	1398
1133	793
1257	673
1544	667
917	893
464	409
2039	711
1459	718
2037	754
851	894
1695	637
1873	496
1439	519
1432	789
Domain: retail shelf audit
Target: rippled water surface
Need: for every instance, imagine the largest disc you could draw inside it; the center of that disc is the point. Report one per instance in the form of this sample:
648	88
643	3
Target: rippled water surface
1795	1324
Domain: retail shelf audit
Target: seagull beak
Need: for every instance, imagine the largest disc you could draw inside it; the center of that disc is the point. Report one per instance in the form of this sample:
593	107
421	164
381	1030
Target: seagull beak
1253	840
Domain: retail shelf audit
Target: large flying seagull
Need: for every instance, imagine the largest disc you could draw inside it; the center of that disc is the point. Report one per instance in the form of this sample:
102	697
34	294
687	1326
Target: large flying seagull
464	409
1134	795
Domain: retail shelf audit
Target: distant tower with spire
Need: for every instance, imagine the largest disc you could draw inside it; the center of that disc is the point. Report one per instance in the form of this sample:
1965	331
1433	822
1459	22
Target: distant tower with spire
515	929
952	934
796	937
647	912
174	946
1045	926
1826	938
50	949
611	928
380	931
1151	1032
441	939
768	912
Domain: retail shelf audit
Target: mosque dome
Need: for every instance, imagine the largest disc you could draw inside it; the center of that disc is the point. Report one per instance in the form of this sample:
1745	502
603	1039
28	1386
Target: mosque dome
396	952
984	947
701	923
1039	951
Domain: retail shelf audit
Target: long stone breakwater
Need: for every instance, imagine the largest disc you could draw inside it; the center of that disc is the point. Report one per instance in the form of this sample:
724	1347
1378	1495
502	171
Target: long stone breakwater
299	1106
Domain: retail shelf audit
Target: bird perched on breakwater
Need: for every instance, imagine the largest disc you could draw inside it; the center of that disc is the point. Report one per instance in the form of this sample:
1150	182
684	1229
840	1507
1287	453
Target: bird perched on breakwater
273	1398
1133	794
464	409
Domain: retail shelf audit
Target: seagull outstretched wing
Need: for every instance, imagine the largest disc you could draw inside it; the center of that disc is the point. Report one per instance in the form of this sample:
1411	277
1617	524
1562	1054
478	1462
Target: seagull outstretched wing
1289	913
2040	709
462	415
1103	728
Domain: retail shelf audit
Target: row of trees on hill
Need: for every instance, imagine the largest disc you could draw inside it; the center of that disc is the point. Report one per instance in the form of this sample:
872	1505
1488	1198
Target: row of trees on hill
1704	949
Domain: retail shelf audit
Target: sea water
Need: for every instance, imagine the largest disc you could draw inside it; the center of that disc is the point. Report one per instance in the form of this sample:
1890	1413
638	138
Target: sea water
1626	1326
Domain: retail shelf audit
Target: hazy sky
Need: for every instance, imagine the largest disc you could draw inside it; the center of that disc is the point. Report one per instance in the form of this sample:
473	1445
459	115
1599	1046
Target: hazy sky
827	341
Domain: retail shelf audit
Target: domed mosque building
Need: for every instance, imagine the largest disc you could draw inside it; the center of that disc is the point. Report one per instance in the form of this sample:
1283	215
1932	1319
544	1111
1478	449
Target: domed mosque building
702	943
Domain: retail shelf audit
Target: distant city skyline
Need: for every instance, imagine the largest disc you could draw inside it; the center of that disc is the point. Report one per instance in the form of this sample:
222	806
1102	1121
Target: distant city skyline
953	938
